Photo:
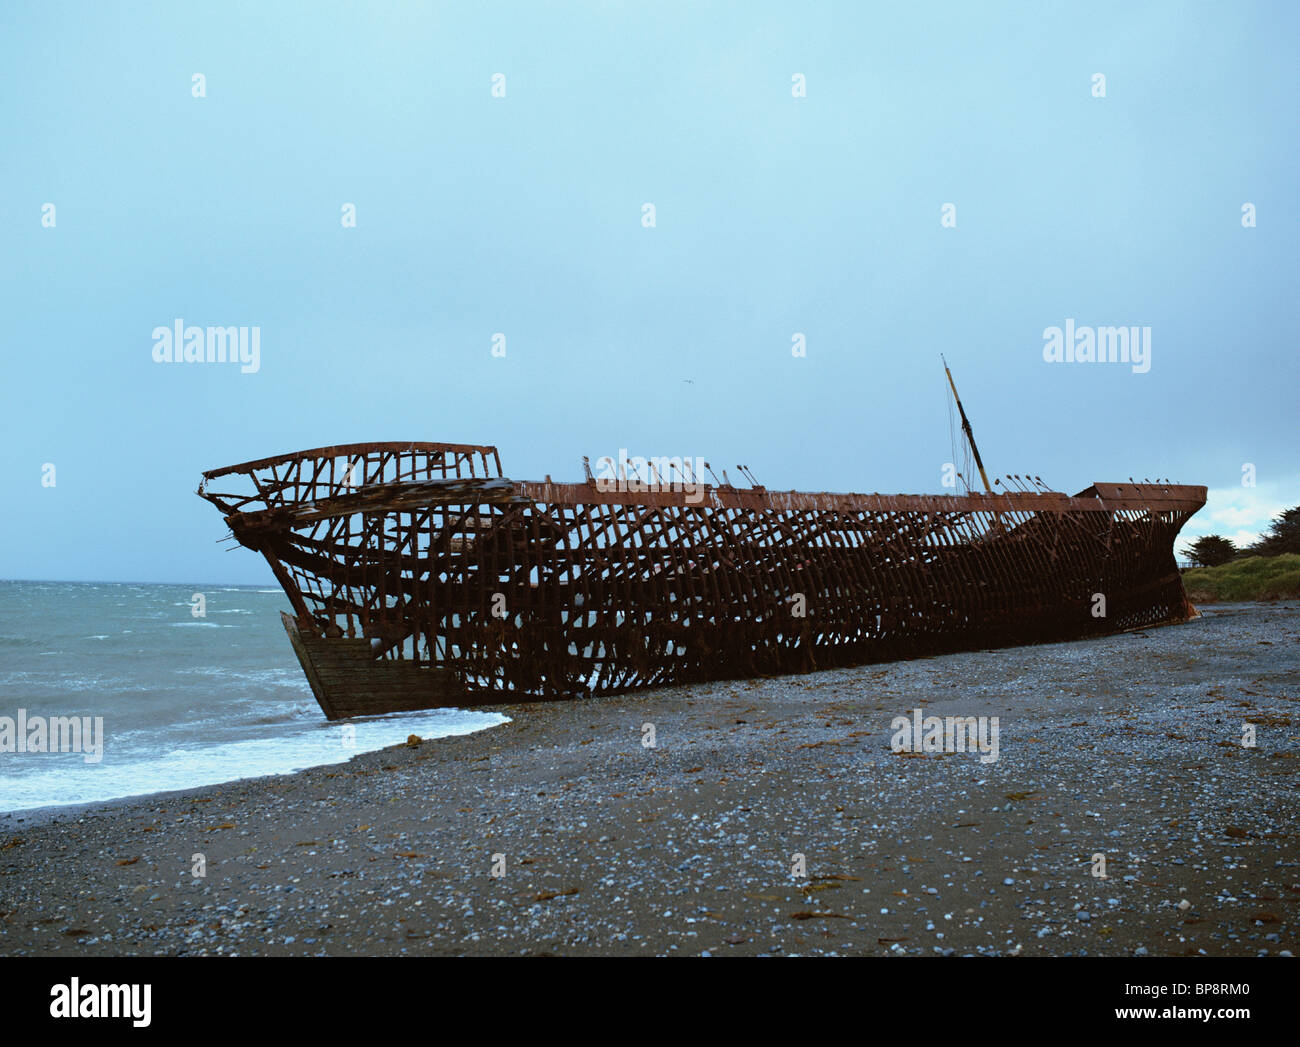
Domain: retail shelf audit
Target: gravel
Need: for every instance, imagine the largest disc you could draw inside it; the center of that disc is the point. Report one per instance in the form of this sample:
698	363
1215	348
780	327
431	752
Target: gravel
772	818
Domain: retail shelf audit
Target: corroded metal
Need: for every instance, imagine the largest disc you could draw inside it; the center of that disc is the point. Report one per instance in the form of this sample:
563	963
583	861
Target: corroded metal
504	591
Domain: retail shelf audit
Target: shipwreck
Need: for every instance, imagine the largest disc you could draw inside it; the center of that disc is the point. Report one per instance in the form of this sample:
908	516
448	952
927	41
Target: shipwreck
419	576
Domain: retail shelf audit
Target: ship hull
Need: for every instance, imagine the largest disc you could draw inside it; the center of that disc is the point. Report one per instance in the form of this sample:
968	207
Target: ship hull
434	582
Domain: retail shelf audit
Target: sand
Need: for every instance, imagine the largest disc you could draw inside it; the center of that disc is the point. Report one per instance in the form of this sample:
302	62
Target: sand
1127	747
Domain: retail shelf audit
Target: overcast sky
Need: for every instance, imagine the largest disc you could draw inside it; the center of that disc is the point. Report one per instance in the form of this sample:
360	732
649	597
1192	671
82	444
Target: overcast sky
798	157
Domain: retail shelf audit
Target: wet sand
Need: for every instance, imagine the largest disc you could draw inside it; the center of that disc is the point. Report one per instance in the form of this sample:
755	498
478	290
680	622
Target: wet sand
1127	747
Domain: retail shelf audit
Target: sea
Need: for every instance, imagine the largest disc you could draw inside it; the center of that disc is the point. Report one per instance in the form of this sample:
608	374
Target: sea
193	685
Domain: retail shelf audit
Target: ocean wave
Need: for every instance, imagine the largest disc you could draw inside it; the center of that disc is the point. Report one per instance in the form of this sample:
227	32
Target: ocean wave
277	675
65	778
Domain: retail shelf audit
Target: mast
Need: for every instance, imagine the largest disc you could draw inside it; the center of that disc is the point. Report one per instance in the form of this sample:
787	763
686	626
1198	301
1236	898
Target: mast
965	425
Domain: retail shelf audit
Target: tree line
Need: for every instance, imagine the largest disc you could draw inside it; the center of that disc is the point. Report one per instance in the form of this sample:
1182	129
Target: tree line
1283	537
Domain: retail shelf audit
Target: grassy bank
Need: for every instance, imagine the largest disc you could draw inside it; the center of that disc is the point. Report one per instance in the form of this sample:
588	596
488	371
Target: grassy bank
1252	578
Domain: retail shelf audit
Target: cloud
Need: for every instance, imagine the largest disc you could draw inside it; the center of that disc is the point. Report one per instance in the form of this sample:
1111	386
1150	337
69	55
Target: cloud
1242	514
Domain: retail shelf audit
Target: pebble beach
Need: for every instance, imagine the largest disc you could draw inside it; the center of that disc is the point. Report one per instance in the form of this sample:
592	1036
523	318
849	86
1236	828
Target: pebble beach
1122	816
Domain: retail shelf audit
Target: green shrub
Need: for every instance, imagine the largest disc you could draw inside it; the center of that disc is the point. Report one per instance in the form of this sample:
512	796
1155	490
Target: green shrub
1250	578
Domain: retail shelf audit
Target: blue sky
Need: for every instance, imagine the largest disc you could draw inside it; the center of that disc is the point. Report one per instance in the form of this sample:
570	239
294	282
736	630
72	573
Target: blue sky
522	214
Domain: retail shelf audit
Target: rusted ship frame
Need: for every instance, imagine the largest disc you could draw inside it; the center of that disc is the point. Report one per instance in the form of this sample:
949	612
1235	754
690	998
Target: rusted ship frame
420	577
